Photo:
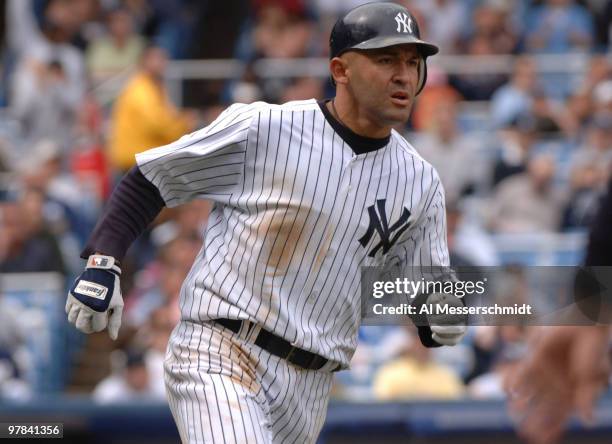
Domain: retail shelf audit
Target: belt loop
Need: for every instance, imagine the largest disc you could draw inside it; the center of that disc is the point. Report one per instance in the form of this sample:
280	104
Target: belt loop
330	366
245	328
253	332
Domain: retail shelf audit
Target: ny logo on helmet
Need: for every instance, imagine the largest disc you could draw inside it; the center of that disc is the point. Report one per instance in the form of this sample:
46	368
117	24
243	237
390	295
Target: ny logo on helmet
380	225
405	21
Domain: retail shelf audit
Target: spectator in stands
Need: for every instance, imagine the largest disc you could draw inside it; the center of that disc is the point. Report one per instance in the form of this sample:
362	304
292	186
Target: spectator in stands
302	89
414	375
143	116
436	90
489	38
600	70
585	191
29	246
454	154
515	97
44	103
469	244
88	160
591	168
491	35
511	287
516	142
546	114
597	146
73	203
142	12
51	36
115	53
483	342
576	114
247	89
581	103
159	284
12	348
453	219
282	29
172	24
491	24
602	95
327	12
49	71
132	382
527	202
12	385
559	26
443	21
509	349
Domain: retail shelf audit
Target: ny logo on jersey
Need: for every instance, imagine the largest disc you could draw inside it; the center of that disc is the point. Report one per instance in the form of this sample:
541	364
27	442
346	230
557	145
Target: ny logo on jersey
404	20
380	224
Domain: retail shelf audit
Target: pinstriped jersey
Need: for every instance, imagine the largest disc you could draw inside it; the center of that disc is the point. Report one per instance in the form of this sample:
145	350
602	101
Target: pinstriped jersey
296	214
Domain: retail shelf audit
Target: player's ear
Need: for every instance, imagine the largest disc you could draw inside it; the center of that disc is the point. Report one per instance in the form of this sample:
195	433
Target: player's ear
338	68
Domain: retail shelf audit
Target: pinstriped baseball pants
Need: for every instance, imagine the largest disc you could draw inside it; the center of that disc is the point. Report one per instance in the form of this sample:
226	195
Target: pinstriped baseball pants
223	389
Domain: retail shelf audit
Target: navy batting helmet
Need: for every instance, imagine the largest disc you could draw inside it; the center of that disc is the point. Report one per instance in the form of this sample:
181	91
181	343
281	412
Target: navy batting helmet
378	25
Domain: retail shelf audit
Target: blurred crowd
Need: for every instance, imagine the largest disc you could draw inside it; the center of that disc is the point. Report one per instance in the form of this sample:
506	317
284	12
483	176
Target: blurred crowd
525	149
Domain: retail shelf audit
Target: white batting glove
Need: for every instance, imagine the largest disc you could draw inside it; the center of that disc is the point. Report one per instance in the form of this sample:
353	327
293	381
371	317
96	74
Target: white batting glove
94	301
446	329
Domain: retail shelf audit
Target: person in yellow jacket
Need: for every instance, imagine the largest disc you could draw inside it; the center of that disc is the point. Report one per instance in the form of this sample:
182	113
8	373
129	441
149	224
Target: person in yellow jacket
414	375
143	116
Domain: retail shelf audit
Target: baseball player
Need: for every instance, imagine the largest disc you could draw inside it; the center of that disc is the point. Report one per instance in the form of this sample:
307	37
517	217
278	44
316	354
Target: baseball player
304	193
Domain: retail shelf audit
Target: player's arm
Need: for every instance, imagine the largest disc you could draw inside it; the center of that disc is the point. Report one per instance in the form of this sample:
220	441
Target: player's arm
207	164
94	301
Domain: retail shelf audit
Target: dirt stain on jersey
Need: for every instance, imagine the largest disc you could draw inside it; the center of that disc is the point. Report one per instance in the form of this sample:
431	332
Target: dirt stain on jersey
247	364
284	238
323	250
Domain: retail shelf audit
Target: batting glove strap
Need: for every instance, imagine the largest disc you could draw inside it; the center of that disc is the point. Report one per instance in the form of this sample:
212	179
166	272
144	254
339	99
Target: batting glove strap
101	262
95	287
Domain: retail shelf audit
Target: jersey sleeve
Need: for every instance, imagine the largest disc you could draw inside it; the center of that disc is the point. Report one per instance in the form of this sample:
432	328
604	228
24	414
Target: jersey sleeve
205	164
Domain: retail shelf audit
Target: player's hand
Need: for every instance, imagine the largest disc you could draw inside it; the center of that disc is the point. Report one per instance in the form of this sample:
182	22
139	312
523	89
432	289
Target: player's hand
94	301
446	329
566	371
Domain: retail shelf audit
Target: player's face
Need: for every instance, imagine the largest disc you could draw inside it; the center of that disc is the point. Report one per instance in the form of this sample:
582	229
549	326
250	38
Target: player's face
383	82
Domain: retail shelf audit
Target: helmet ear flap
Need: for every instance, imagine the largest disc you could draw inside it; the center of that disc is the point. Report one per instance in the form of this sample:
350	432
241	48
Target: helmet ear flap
422	75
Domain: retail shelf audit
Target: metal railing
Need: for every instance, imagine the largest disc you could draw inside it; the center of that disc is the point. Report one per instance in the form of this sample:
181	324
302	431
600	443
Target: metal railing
226	69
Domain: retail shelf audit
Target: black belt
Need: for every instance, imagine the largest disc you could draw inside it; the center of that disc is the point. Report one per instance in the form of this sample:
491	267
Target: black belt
281	347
